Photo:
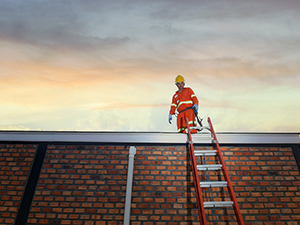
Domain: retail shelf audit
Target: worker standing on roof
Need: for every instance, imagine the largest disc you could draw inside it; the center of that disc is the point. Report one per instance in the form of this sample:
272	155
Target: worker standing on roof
185	102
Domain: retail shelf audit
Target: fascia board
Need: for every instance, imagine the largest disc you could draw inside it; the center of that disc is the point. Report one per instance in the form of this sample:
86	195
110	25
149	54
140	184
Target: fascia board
258	138
147	137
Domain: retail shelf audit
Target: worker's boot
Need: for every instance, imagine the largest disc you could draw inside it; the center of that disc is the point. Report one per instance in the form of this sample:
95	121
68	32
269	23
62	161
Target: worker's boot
194	131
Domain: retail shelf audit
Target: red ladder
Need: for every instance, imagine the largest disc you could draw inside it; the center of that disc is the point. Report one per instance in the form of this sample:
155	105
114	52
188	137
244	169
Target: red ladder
207	188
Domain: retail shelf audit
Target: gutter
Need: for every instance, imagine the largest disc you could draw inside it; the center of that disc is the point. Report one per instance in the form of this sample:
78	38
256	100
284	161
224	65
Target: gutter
132	151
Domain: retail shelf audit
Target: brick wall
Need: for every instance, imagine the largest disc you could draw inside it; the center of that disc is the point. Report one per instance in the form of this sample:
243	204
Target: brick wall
81	185
86	184
15	163
267	184
162	189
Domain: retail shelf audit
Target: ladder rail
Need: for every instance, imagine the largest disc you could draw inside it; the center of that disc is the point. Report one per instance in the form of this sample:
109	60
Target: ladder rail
230	188
199	197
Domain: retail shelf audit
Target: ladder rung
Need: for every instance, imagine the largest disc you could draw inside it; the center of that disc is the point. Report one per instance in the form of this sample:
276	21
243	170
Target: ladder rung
205	152
209	167
218	204
213	184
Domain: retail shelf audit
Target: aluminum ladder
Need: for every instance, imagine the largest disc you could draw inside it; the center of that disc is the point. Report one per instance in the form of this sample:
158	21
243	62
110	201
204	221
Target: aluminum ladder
213	188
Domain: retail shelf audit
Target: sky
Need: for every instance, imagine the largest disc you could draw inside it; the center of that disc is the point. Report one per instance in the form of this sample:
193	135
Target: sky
95	65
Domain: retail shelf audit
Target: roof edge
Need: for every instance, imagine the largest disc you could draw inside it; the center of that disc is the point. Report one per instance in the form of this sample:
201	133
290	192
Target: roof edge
148	137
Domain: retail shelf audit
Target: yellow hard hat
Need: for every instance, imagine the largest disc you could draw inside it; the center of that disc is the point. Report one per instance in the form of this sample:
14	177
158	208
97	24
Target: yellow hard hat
179	79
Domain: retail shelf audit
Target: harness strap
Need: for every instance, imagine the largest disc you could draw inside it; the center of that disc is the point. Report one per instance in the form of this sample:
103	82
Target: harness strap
185	109
195	115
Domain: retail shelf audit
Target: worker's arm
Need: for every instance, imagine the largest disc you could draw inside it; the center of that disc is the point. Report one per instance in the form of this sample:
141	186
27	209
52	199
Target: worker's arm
195	100
172	109
194	97
173	106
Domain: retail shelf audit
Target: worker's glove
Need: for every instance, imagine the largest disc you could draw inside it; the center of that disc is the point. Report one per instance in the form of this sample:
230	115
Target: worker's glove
195	107
170	118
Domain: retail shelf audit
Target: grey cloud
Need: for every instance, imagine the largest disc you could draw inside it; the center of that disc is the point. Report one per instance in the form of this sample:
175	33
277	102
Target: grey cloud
220	9
53	24
157	32
234	67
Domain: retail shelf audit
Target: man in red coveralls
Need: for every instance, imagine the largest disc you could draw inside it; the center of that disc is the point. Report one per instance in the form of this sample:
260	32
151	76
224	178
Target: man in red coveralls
184	101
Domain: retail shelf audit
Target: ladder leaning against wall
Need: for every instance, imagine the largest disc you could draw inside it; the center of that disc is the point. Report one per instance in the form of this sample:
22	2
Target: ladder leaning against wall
214	192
